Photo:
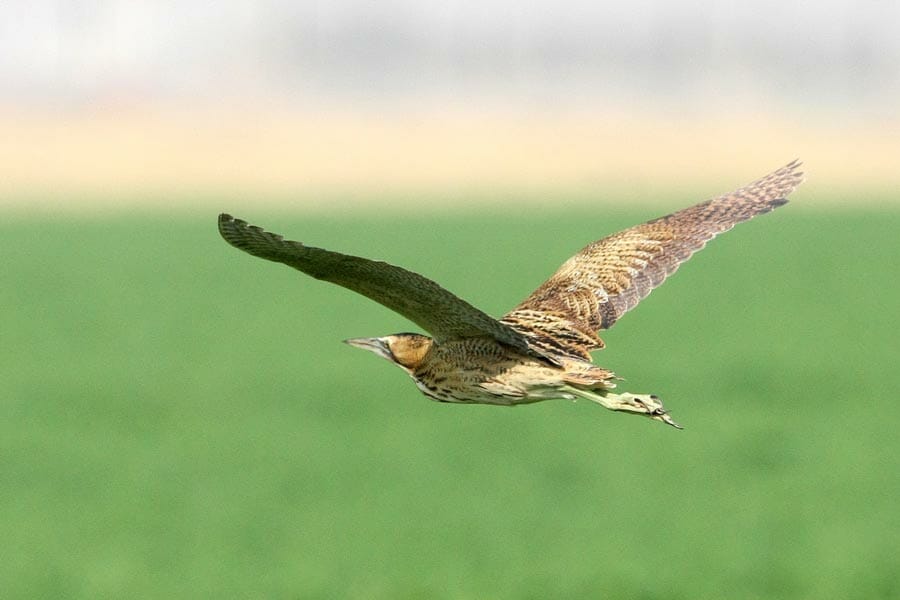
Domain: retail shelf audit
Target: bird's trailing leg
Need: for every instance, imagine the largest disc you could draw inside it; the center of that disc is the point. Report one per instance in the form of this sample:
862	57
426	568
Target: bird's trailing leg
638	404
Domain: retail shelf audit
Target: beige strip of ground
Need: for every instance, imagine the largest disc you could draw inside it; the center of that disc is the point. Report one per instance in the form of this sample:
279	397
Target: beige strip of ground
306	160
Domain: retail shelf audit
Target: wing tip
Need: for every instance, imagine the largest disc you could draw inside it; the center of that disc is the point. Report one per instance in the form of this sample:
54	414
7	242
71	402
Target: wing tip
775	187
791	172
227	222
236	232
230	228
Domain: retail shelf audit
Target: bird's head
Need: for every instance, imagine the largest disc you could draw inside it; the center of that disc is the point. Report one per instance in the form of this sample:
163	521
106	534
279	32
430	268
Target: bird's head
404	349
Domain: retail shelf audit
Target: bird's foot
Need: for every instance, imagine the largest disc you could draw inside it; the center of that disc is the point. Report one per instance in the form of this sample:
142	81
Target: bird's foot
643	404
636	404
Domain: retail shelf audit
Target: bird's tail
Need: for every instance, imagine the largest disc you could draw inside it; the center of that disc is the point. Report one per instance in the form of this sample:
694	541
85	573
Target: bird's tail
587	376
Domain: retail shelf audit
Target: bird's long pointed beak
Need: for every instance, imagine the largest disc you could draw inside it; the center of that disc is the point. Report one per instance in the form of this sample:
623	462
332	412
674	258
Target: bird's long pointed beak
376	345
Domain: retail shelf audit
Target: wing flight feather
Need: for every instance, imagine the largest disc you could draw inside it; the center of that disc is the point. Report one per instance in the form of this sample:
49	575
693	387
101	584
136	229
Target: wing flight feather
609	277
417	298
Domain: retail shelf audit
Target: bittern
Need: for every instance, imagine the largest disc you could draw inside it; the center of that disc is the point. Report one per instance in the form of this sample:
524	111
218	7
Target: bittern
541	349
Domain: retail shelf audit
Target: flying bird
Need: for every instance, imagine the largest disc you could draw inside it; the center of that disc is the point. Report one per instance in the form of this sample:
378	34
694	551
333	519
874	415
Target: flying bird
541	349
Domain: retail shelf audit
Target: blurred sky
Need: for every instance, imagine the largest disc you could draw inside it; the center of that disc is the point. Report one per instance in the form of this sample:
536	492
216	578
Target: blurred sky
101	96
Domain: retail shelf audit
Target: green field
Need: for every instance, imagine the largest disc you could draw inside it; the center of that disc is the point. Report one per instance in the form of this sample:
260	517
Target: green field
178	419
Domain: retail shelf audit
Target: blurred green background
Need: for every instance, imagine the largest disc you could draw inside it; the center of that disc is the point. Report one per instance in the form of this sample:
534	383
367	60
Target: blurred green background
181	420
178	419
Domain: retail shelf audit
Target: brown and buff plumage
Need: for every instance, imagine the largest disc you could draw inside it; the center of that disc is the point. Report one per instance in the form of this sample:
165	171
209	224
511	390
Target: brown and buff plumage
541	349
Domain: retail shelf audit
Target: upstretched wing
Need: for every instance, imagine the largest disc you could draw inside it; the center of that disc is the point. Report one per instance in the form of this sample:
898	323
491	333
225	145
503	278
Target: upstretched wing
607	278
417	298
